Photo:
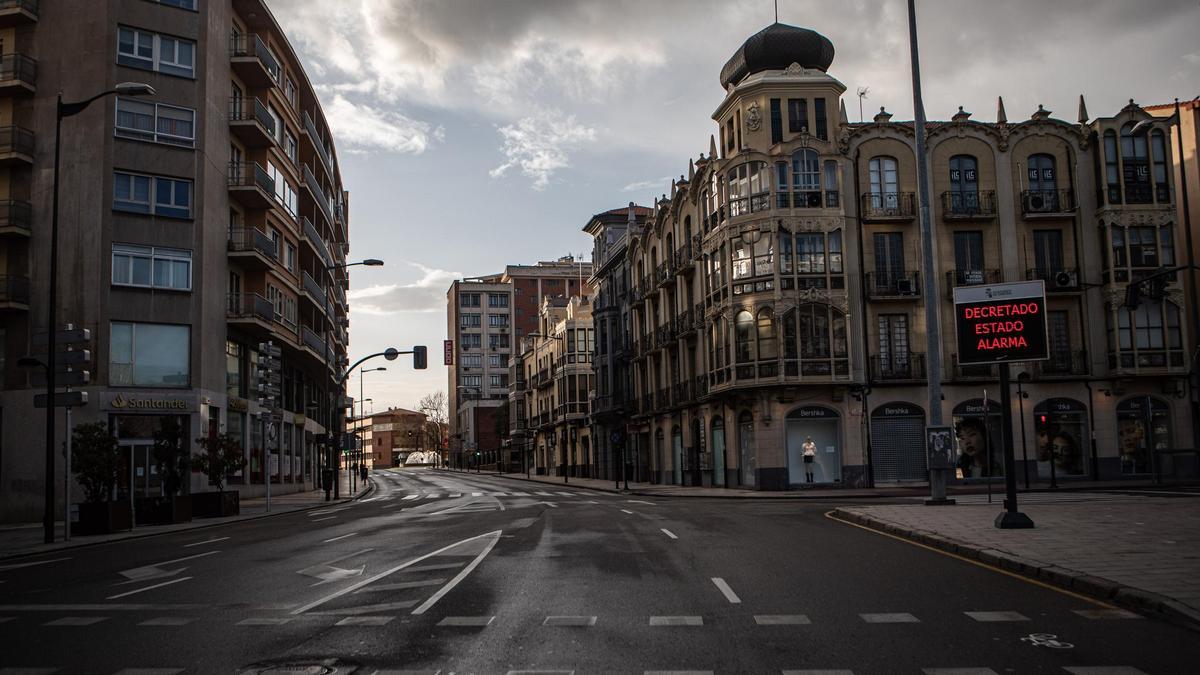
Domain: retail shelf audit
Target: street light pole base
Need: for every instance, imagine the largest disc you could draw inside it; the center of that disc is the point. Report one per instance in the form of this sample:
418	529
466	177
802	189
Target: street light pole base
939	502
1013	520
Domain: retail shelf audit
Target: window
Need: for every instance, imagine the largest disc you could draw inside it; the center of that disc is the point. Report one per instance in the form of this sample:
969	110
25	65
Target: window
498	320
831	184
150	51
497	300
822	126
289	257
893	345
968	258
749	188
1048	252
234	382
744	335
289	92
889	261
1135	166
473	381
1147	337
753	259
1112	174
820	331
776	121
155	122
767	348
469	320
815	255
885	196
964	185
181	4
498	342
1042	195
806	180
285	194
290	147
153	195
148	355
472	361
1162	189
151	267
468	299
289	312
495	361
797	115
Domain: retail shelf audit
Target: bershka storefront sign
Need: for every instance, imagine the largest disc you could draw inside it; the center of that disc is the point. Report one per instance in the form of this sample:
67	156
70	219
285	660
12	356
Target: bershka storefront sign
152	403
1001	323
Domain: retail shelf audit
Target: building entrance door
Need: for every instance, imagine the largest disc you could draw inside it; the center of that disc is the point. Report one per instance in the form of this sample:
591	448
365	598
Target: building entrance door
141	469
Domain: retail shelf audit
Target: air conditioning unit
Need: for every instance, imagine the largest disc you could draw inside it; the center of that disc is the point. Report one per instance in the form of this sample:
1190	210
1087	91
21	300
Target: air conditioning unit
905	287
1040	202
1064	280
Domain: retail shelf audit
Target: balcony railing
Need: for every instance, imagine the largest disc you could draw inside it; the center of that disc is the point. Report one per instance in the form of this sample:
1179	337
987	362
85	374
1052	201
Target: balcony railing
1063	364
956	278
14	289
979	372
978	205
250	239
17	140
1060	280
316	241
318	144
1047	202
16	214
18	68
252	175
243	109
250	47
907	366
318	194
883	206
313	340
893	285
249	306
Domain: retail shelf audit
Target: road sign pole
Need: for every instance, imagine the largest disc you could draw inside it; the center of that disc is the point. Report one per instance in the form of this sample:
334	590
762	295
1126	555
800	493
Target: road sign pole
1010	518
67	478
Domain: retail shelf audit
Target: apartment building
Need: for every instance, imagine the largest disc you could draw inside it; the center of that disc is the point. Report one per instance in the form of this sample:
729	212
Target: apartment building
194	224
775	293
552	392
392	436
486	318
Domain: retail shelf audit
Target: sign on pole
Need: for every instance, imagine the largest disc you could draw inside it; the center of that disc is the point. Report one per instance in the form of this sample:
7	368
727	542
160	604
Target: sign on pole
448	352
1001	323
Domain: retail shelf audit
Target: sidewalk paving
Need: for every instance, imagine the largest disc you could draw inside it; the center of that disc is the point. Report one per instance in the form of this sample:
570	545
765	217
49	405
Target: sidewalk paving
1142	553
28	538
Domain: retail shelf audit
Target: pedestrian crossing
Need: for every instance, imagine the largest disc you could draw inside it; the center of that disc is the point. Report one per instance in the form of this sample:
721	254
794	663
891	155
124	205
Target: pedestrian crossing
424	496
953	670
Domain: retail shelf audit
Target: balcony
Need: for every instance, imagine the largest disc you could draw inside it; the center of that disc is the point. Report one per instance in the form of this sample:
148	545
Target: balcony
980	205
315	241
883	207
310	130
14	292
898	368
893	286
18	12
252	248
253	61
339	295
961	372
15	217
18	75
250	121
701	387
16	146
315	342
665	274
250	311
1058	280
1037	204
955	278
683	258
318	195
1062	364
315	292
250	185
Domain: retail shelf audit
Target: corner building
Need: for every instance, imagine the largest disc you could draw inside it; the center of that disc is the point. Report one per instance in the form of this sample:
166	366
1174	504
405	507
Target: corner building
775	295
194	224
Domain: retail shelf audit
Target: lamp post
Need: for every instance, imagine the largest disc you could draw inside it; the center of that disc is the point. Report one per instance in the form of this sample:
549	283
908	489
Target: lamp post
361	372
62	111
356	455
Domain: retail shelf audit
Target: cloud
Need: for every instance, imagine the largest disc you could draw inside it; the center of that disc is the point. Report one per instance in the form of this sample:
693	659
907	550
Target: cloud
361	127
538	145
427	294
642	185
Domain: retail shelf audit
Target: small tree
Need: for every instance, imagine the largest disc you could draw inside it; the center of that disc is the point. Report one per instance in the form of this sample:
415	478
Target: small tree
171	455
222	455
95	460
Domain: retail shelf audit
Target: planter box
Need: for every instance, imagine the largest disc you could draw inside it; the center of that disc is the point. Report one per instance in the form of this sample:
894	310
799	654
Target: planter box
103	518
164	510
216	504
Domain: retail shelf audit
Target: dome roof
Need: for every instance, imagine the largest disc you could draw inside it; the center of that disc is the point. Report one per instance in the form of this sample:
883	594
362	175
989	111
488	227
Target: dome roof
776	47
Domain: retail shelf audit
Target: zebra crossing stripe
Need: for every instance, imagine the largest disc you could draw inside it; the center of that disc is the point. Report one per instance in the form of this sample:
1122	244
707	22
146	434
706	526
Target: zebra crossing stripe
408	497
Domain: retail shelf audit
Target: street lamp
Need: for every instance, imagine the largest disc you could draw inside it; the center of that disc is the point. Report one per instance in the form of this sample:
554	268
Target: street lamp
361	372
64	110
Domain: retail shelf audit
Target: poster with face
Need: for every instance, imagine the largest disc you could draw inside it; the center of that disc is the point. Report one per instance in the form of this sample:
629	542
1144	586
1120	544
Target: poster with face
979	452
940	443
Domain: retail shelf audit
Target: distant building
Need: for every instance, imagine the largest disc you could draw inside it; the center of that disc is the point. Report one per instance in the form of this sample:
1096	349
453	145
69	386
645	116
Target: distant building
390	437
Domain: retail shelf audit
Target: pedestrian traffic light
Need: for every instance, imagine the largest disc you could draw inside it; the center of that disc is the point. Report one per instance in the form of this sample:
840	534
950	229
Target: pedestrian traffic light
420	357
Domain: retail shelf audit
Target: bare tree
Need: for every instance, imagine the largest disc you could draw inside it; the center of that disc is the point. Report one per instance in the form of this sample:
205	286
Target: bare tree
435	408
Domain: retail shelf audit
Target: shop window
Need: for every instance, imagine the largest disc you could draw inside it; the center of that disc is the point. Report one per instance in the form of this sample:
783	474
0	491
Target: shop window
977	425
1143	426
1060	429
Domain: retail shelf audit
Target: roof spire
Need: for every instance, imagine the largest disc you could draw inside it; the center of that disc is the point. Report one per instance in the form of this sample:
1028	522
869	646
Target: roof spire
1083	116
1001	116
842	111
712	146
691	171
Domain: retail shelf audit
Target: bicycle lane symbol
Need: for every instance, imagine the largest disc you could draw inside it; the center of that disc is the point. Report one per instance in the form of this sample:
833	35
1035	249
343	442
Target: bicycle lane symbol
1046	640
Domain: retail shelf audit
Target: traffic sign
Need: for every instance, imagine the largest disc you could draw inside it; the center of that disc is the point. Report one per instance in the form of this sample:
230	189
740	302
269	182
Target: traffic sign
73	357
1001	323
62	399
63	337
63	377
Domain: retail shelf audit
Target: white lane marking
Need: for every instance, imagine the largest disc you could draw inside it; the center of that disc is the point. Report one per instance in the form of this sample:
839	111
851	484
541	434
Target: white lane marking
433	495
377	577
365	621
668	533
627	511
467	621
400	586
362	610
590	501
543	494
201	543
149	671
408	497
5	568
264	621
460	576
168	621
726	590
518	494
76	621
322	512
476	494
317	520
894	617
327	572
781	620
147	588
996	616
638	501
454	495
550	504
497	494
569	621
568	494
155	571
959	671
676	621
352	534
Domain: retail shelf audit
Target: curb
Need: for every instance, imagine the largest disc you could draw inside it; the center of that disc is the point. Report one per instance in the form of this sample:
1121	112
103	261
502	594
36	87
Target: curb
1128	597
147	535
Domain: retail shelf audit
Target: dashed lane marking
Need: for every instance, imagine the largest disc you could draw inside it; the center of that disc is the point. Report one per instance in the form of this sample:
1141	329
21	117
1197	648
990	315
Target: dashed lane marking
668	533
264	621
893	617
401	586
76	621
408	497
987	617
147	588
167	621
726	591
627	511
14	566
317	520
781	620
958	671
676	621
352	534
365	621
639	501
202	543
569	621
1102	670
478	621
149	671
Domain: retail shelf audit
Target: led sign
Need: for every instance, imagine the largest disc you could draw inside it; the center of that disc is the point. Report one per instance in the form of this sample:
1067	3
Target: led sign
1001	323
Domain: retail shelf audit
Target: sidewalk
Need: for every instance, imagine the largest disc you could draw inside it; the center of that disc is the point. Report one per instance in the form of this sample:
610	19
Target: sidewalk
28	538
1141	553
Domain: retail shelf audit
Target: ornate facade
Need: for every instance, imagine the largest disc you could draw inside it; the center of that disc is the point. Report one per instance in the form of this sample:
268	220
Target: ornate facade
775	295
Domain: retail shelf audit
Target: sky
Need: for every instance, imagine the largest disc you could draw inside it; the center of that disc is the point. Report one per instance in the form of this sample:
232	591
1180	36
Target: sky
473	134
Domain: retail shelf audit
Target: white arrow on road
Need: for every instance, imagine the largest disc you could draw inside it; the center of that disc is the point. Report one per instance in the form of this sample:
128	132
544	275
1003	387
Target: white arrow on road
327	572
156	571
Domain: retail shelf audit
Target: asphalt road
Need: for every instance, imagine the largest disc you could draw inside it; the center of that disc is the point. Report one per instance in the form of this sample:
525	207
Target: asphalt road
453	573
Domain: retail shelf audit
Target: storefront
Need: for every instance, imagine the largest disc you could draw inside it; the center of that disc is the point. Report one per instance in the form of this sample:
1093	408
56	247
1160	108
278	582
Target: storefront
1060	427
822	427
677	458
747	453
718	451
137	419
977	425
1143	425
898	443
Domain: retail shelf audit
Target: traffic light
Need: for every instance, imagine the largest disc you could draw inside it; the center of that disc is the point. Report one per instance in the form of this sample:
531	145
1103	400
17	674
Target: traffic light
269	375
420	357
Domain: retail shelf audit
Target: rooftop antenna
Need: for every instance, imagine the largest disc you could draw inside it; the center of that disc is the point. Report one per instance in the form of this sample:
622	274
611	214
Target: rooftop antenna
862	93
776	11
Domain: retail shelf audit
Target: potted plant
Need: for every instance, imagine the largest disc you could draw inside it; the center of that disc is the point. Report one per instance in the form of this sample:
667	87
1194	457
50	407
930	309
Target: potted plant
96	462
171	457
221	455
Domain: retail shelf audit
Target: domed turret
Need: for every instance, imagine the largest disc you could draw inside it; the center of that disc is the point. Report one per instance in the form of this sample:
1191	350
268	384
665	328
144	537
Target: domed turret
776	47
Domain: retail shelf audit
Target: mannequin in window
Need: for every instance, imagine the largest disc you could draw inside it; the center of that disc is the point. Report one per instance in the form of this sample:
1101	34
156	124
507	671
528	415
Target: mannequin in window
810	453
